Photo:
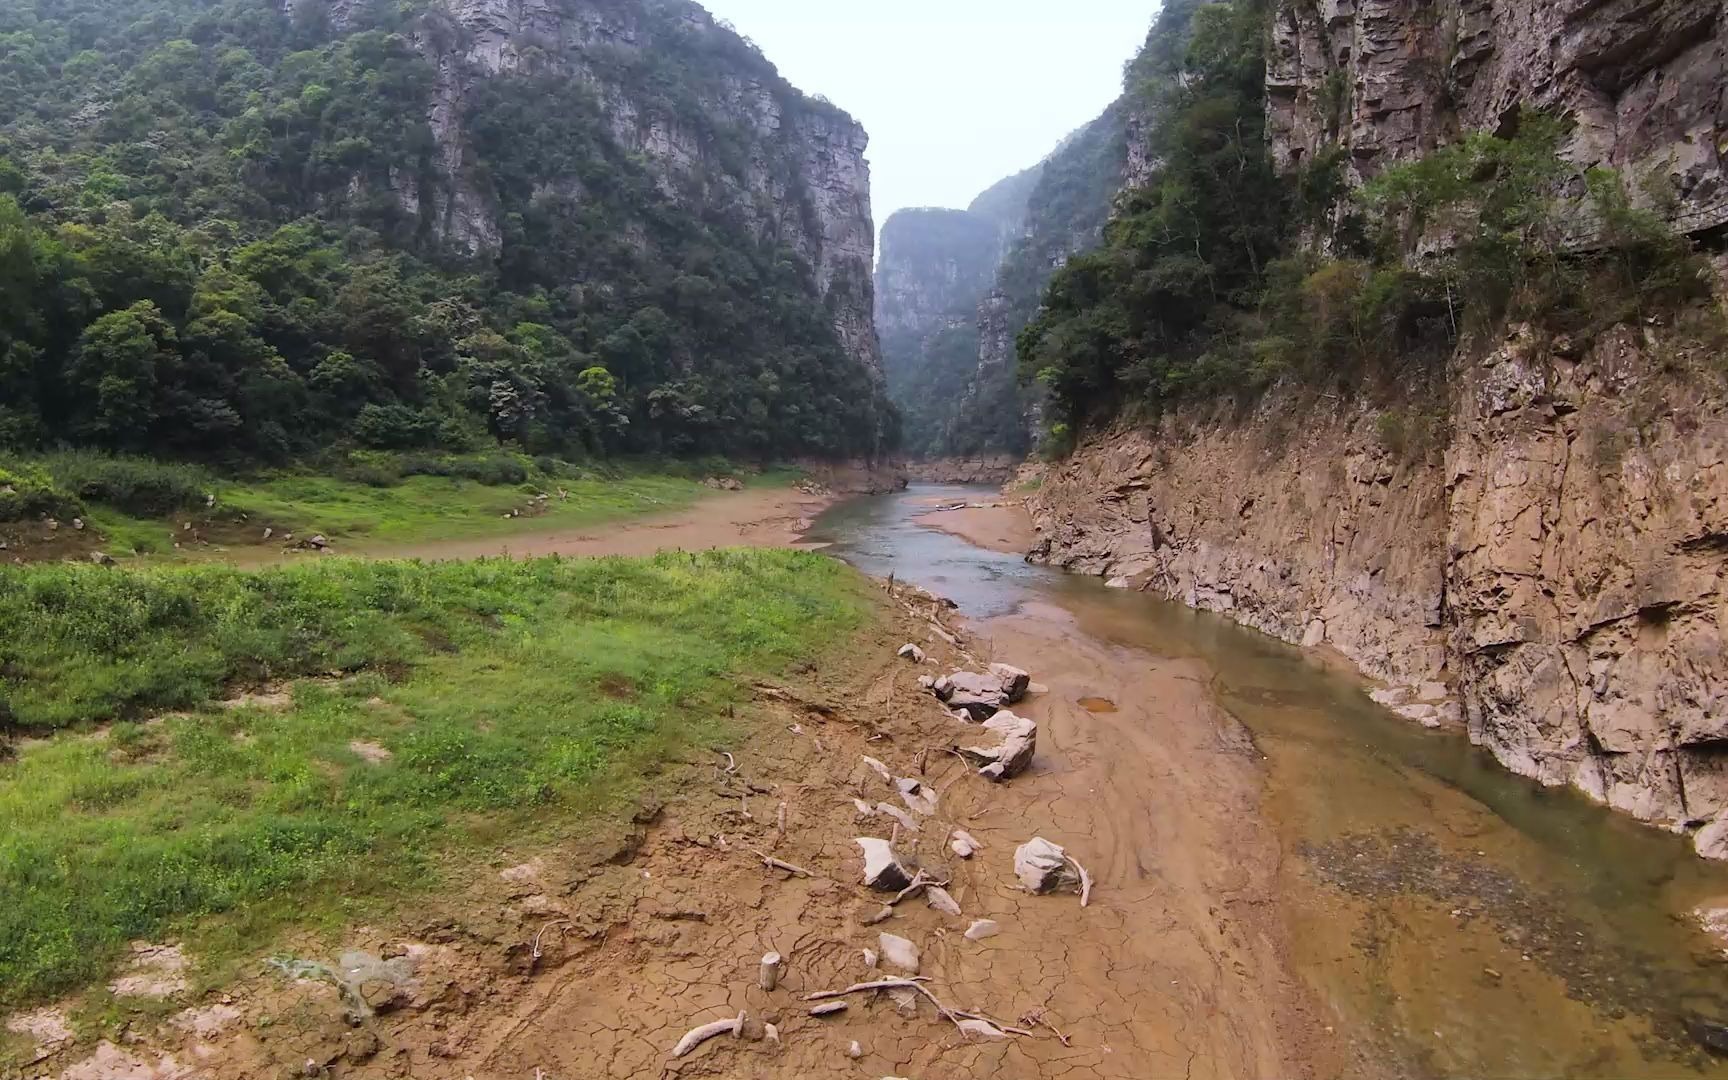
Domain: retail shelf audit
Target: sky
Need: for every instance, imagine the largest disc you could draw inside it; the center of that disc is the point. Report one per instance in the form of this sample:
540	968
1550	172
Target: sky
956	94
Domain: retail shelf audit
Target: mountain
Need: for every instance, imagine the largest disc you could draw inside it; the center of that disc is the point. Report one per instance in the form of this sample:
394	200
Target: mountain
243	230
950	304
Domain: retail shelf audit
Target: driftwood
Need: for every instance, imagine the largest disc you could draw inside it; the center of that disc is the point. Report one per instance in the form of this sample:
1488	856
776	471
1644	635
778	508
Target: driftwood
698	1035
1085	881
828	1009
776	864
918	882
731	763
768	975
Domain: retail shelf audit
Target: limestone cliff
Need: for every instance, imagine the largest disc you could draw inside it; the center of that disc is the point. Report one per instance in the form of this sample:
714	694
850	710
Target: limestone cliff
1389	80
1538	551
1545	561
722	135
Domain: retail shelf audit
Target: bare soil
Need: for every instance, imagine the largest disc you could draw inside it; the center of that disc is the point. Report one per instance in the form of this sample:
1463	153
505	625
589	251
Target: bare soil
592	960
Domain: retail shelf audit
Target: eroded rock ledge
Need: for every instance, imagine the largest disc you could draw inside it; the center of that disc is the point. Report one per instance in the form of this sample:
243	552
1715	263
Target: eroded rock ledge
1542	557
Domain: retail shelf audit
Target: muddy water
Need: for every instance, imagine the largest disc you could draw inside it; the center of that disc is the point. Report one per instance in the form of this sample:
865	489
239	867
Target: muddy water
1449	918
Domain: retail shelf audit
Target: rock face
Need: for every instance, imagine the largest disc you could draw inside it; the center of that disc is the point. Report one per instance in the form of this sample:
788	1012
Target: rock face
741	142
1547	562
1390	80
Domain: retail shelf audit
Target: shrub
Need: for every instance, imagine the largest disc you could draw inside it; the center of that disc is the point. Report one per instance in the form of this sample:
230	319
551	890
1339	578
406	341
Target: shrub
27	492
136	486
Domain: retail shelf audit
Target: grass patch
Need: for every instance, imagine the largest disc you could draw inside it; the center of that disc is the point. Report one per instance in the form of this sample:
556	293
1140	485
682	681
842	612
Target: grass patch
500	691
139	506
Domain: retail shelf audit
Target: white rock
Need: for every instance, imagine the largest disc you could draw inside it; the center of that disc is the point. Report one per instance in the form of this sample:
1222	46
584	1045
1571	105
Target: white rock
1712	840
1117	583
918	798
854	1051
964	844
906	820
911	652
1015	741
1315	634
879	769
941	899
981	929
883	869
1043	867
898	952
981	1029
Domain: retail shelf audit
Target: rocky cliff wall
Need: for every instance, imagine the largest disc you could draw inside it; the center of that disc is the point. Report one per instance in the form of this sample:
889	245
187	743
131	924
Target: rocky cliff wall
736	139
1542	558
1389	80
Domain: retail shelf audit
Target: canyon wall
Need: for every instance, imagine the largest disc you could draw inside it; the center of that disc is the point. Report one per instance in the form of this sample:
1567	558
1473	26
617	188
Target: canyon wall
1541	559
1389	80
1538	554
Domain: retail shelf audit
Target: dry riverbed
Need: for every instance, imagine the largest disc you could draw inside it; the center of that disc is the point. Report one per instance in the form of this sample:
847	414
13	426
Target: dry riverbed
594	958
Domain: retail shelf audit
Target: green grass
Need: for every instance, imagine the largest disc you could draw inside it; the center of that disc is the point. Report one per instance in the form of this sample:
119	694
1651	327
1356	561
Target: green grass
138	506
428	507
512	696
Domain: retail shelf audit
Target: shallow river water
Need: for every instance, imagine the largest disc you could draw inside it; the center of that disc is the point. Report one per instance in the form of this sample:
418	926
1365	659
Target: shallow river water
1452	919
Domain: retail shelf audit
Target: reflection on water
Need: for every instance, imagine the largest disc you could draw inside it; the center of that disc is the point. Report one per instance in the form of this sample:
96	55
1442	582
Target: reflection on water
1460	921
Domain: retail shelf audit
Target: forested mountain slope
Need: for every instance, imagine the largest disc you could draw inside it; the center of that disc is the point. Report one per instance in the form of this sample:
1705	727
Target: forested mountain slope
239	230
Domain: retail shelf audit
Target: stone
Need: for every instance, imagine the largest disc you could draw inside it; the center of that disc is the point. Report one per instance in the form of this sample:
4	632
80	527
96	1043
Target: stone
898	952
963	844
941	899
883	870
1013	681
911	652
907	821
1043	867
981	929
1712	840
1315	634
1009	751
917	797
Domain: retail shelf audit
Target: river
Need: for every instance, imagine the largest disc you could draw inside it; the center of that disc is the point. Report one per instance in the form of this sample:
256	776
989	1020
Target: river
1442	916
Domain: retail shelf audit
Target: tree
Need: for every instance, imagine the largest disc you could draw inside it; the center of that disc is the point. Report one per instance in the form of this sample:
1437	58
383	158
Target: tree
115	370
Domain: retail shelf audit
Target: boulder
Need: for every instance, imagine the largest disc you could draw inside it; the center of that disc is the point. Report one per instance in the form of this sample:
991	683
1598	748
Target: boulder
1712	840
1043	867
1008	751
979	696
1014	682
883	869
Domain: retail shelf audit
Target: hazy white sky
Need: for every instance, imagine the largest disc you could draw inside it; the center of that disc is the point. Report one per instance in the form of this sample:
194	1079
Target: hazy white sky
956	94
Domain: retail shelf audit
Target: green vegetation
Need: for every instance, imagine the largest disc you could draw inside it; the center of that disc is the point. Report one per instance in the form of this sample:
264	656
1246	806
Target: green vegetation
505	694
228	234
141	506
1220	277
